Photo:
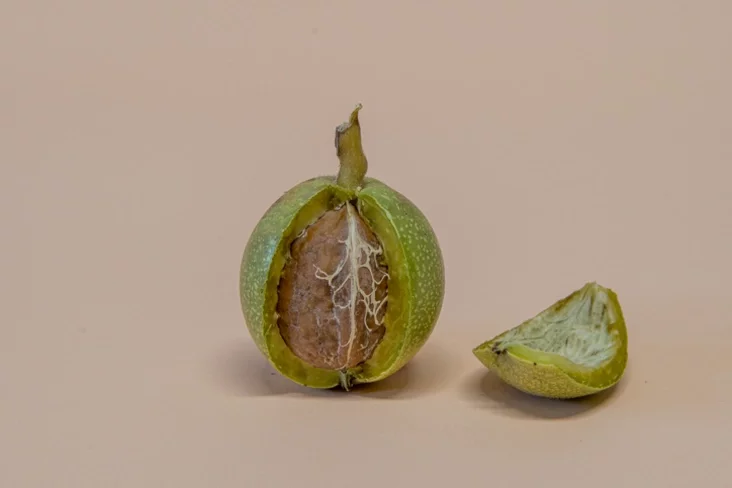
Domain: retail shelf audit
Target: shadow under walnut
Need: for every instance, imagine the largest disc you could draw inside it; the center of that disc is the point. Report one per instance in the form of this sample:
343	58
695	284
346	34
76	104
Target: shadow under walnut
241	370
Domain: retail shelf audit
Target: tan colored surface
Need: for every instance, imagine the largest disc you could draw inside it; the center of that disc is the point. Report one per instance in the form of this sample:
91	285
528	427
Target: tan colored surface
550	144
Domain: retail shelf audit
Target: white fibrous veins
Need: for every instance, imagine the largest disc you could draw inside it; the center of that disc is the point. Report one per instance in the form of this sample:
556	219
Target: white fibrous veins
354	283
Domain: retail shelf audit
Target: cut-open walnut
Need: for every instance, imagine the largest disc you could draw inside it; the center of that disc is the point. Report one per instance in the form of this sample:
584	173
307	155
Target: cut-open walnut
342	280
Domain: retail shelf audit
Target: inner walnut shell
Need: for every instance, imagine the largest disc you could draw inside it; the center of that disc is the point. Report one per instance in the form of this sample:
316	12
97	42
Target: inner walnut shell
333	292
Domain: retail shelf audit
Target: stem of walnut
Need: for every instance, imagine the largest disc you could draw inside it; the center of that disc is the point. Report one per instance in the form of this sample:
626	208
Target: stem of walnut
353	163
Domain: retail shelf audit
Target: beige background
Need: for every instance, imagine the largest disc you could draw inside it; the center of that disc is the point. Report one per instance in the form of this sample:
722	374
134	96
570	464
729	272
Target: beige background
550	144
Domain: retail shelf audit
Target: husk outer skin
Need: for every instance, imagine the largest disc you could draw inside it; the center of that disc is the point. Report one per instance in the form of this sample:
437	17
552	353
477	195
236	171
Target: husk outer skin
550	375
420	266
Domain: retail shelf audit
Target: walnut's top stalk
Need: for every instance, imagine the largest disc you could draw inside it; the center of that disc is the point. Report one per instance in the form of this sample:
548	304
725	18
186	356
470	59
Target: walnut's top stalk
353	163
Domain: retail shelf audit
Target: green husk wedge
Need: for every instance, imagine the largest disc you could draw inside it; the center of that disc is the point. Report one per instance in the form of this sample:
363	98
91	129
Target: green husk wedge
576	347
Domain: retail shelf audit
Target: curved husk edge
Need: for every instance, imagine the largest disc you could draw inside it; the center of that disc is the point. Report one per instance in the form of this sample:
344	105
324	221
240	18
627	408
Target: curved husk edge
412	245
551	375
415	265
267	249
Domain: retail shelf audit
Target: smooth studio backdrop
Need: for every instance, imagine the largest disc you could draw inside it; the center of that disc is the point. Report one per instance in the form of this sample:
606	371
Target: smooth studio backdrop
550	144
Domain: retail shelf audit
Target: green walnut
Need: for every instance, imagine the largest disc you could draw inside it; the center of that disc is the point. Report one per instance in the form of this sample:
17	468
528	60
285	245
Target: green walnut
342	280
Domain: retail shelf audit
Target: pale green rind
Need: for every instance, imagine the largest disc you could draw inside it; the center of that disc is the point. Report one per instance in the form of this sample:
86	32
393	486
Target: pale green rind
540	379
550	375
412	246
266	248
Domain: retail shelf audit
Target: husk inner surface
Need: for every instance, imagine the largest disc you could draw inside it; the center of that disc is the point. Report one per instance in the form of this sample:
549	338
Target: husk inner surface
577	329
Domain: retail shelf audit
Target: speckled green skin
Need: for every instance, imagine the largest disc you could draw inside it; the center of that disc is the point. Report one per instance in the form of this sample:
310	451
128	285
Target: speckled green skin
416	284
553	376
